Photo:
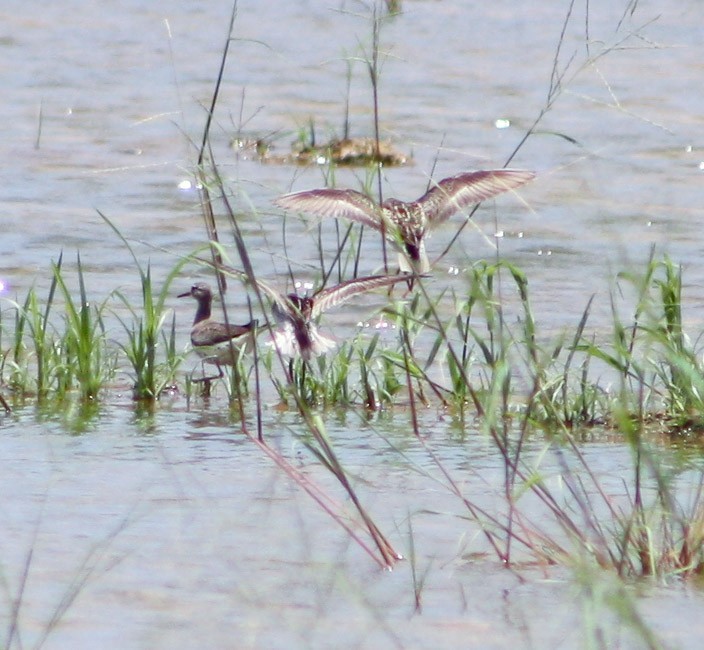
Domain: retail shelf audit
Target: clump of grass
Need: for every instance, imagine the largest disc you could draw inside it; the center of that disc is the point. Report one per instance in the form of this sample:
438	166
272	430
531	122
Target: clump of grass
659	371
560	399
148	330
680	371
334	379
86	357
32	322
152	373
326	380
379	378
47	361
656	536
411	321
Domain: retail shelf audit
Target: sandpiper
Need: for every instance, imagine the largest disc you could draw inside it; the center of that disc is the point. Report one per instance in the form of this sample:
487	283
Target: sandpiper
406	224
298	334
216	343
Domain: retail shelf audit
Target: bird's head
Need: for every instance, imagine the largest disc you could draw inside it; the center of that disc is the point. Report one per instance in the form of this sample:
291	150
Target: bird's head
199	291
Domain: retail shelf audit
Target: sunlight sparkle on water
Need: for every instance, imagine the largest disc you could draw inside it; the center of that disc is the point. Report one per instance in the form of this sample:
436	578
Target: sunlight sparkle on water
306	286
186	185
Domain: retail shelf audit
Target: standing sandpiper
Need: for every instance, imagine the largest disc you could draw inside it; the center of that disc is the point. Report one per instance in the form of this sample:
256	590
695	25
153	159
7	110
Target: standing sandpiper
216	343
406	224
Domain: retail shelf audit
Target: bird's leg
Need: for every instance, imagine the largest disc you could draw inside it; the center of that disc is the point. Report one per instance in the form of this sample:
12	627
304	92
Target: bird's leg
208	378
411	283
304	368
391	288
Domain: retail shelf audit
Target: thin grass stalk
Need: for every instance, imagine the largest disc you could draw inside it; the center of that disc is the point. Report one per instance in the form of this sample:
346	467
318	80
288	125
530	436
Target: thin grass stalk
326	454
417	579
40	338
173	358
40	124
337	258
39	333
329	506
373	69
88	568
406	346
579	332
18	601
257	382
370	401
206	203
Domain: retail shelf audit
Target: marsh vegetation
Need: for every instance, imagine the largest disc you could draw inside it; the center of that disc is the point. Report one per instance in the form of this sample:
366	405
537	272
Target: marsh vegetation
461	343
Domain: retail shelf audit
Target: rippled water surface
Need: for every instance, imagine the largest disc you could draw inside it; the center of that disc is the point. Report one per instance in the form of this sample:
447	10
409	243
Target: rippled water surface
169	529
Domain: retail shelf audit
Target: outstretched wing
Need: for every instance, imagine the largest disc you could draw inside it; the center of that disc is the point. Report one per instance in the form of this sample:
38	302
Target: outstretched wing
272	293
334	296
453	194
283	308
323	300
340	204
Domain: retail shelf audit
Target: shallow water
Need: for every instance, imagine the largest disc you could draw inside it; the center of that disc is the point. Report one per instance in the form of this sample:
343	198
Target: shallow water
180	530
181	527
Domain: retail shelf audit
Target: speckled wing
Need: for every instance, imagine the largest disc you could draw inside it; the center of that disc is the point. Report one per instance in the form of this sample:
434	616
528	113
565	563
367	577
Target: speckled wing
453	194
339	204
273	294
334	296
214	333
324	299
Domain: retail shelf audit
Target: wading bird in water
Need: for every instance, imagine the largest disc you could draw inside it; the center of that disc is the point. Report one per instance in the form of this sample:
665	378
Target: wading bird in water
406	224
216	343
298	333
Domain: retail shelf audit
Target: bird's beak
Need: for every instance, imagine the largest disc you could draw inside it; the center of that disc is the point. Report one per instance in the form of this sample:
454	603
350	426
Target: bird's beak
183	295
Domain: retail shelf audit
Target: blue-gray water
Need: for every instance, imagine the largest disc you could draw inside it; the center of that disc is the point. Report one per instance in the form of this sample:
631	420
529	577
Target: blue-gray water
183	531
